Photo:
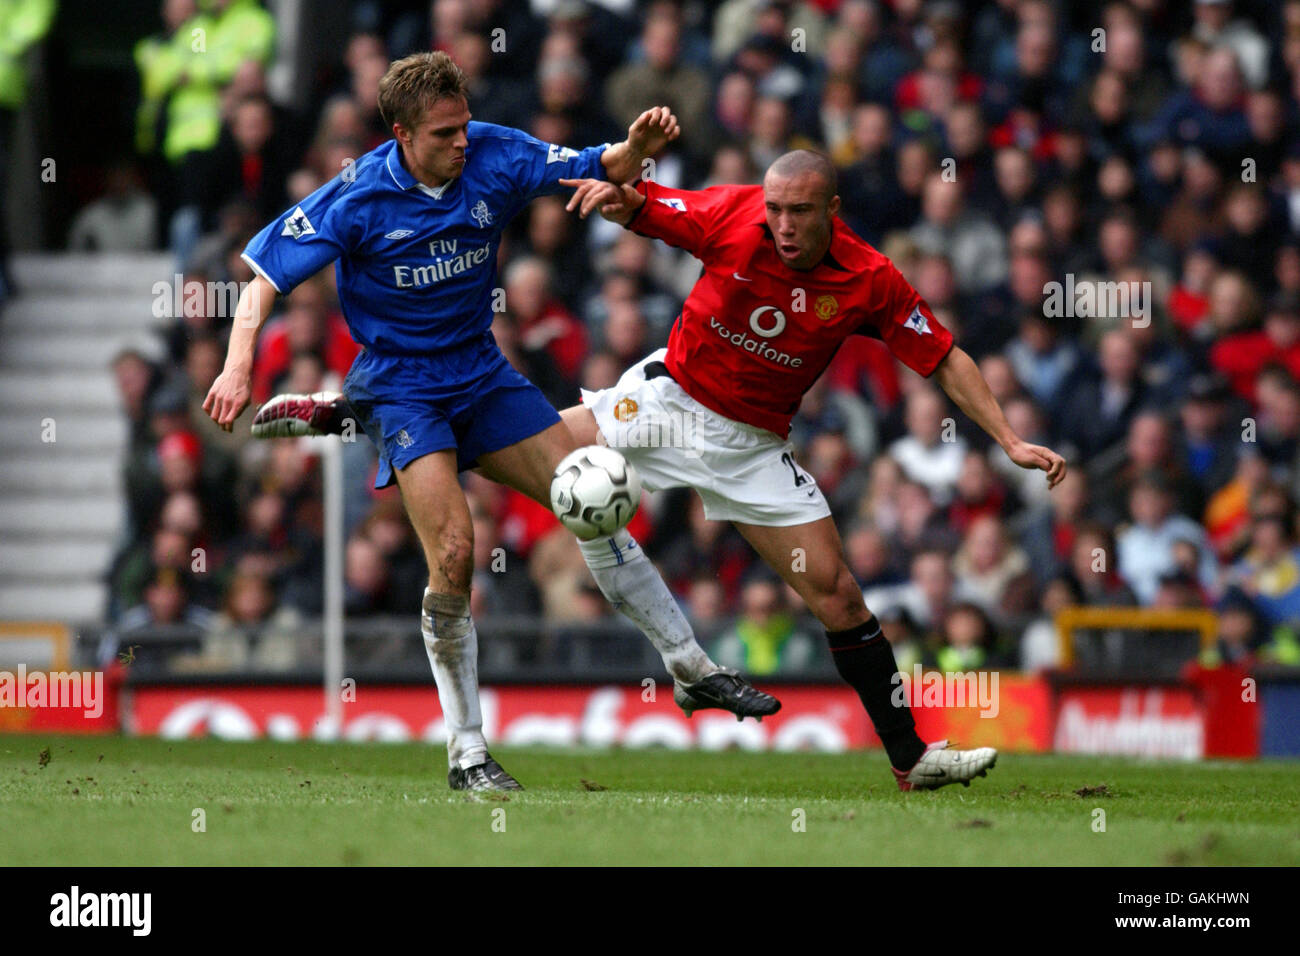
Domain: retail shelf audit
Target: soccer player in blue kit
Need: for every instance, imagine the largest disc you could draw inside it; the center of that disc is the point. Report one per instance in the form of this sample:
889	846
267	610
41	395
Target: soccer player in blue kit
413	228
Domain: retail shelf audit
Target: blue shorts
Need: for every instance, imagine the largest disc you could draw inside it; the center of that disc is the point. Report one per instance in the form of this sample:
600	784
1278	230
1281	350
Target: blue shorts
471	400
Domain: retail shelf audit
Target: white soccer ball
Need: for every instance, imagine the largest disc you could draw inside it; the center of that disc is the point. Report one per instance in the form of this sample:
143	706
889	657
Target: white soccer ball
595	492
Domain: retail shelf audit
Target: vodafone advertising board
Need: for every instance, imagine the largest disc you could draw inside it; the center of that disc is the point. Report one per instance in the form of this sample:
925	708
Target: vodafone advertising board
827	719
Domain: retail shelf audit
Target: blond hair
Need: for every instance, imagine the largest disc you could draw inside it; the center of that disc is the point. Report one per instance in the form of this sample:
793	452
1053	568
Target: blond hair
414	83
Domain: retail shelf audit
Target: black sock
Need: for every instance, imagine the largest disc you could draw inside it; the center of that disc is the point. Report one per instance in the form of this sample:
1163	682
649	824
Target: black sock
864	659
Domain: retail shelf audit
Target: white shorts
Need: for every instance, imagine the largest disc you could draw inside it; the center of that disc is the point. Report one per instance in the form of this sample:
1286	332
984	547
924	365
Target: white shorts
742	472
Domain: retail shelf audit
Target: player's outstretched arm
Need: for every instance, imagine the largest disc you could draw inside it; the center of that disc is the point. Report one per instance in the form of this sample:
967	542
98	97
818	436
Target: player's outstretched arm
650	132
960	377
616	202
232	389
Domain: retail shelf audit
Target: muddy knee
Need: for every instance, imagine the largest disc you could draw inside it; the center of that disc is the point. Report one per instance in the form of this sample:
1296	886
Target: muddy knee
455	554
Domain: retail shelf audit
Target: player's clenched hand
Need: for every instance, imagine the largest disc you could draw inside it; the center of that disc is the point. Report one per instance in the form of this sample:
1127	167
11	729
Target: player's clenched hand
616	203
228	397
653	130
1036	456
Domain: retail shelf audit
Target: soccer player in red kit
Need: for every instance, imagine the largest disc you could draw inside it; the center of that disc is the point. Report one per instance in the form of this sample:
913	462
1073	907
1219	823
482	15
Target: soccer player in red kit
785	282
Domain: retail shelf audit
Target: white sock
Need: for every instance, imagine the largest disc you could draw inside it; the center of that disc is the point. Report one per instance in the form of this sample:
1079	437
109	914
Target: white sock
633	586
451	642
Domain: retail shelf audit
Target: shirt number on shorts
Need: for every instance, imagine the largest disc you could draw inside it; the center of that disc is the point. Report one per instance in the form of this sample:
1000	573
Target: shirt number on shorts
800	479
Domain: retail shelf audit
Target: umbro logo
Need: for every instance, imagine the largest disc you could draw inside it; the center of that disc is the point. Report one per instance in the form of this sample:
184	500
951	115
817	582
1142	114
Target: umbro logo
400	234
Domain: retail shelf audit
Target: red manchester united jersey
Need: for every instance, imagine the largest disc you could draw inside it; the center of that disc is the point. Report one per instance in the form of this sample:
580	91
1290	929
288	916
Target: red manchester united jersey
754	334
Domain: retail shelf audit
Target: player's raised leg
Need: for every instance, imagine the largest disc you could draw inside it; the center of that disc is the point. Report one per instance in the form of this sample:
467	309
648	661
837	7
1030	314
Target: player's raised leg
862	655
436	504
626	576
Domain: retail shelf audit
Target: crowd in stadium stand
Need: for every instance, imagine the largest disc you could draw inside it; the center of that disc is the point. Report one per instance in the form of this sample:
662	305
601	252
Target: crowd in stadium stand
1143	154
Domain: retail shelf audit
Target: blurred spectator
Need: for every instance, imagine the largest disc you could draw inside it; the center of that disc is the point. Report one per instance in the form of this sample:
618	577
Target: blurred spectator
1145	549
250	162
251	632
738	20
1211	441
124	219
1100	409
709	548
931	453
1094	563
1227	515
543	322
366	579
828	409
662	78
706	607
968	640
1048	532
904	637
1269	571
1148	449
167	602
868	554
1040	646
136	378
1210	115
1215	26
975	247
1243	354
1044	360
979	494
991	570
1241	632
765	640
927	595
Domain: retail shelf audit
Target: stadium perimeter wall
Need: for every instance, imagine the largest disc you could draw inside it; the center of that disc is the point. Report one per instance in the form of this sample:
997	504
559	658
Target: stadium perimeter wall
1205	715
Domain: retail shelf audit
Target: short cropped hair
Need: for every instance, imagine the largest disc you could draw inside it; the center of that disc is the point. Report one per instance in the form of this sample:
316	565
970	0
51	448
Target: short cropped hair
415	83
802	161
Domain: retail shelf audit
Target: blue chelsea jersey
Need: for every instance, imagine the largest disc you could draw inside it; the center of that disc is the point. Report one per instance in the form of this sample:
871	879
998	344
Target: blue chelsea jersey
416	266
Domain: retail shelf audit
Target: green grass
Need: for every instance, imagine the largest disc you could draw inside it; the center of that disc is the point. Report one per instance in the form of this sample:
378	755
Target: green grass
113	801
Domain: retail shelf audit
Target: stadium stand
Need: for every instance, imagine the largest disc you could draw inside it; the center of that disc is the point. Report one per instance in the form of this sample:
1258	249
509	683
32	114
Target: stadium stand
1110	221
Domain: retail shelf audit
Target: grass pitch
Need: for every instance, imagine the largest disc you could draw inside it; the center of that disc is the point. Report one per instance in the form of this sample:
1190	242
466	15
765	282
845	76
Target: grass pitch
114	801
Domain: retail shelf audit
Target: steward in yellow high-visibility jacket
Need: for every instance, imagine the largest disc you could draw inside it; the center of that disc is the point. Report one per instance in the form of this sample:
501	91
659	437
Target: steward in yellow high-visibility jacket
23	23
184	73
242	30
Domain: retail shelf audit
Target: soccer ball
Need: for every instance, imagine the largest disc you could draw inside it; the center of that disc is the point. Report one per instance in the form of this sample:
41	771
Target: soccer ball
595	492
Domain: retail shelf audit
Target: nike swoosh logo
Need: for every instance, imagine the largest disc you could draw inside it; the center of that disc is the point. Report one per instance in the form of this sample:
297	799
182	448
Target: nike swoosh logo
737	275
813	492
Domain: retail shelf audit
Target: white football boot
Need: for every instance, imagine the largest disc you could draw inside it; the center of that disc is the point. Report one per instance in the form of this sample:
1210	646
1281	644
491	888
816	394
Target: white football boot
940	766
